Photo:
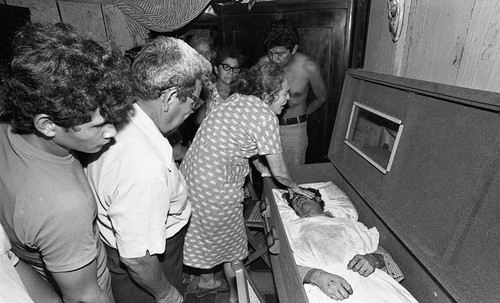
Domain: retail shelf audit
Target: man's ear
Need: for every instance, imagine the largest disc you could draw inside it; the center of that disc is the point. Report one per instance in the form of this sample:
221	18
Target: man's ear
167	98
44	124
295	48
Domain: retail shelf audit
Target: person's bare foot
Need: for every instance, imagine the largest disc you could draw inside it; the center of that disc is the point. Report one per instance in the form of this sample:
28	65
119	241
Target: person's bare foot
210	285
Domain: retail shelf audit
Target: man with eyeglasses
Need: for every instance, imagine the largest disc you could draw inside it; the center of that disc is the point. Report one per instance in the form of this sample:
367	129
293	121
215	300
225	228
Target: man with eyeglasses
141	195
281	40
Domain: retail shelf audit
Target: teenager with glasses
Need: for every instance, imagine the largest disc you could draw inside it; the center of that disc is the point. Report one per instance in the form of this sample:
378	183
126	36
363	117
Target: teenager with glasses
217	162
141	194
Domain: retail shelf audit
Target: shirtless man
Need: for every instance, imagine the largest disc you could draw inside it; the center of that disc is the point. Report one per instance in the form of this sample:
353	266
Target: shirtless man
281	41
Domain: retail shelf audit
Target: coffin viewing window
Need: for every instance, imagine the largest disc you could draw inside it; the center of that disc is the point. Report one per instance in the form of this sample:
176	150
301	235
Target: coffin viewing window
373	135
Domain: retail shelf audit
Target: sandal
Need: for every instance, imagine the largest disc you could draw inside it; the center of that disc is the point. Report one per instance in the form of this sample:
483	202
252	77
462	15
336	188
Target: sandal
201	292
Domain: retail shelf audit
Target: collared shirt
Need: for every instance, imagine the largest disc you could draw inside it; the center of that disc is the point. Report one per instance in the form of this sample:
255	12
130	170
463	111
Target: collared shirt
141	195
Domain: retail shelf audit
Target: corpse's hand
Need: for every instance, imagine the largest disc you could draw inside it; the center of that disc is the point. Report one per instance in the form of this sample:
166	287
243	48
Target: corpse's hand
332	285
364	264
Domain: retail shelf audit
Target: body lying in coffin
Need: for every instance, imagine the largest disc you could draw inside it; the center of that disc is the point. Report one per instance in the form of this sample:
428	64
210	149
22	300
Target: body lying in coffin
337	256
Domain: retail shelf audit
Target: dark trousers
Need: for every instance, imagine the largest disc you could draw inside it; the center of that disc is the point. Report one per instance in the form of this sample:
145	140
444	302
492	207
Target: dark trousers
125	290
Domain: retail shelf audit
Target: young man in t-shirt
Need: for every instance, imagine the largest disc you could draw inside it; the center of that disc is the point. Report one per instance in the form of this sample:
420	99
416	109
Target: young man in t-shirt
62	95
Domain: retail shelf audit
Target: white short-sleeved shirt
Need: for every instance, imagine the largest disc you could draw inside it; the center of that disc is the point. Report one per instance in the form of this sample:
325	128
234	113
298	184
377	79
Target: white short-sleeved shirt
141	194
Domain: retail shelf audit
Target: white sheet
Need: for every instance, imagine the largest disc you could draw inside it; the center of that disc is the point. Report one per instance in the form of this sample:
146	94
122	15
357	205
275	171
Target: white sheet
329	244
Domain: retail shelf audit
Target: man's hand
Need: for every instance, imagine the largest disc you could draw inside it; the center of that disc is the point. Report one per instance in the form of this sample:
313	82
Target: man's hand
364	264
332	285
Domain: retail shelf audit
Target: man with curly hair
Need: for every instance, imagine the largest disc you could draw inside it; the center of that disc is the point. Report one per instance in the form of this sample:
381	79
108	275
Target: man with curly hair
63	94
282	42
142	196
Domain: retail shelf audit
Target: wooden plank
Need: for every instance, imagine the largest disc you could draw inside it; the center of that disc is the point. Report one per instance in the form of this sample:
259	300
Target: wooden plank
435	39
117	29
86	17
480	65
41	11
399	46
380	50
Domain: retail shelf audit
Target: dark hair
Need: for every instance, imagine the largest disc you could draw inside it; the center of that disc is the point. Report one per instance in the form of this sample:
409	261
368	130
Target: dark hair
167	62
281	33
264	77
57	72
229	52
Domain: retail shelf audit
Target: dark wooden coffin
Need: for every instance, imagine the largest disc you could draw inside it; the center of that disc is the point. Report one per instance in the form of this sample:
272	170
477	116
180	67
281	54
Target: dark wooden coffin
420	161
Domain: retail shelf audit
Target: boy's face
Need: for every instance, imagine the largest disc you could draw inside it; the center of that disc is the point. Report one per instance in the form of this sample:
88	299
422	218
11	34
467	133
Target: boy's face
89	137
280	55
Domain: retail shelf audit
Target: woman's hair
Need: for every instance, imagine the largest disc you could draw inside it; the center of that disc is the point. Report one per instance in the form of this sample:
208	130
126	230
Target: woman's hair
198	39
57	72
229	52
264	77
167	62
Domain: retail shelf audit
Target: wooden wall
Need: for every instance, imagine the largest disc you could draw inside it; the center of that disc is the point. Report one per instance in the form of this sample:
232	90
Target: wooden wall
454	42
99	21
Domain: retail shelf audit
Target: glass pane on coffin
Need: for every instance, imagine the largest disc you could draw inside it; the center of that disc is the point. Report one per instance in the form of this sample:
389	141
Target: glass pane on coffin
374	135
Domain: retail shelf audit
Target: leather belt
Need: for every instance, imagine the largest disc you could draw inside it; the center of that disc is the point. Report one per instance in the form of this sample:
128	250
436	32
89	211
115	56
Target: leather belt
293	120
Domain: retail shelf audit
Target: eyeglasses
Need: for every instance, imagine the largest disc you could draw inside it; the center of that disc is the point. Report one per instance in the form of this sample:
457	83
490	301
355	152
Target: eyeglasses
197	102
228	67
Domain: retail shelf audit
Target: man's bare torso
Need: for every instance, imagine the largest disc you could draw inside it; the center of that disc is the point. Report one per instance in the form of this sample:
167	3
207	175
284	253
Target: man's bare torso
298	79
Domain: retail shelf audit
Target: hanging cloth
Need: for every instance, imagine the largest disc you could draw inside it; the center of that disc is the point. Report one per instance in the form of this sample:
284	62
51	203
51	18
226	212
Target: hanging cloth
159	15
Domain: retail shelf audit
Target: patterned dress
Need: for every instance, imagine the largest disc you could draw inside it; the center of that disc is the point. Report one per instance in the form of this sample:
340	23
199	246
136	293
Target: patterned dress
214	99
215	168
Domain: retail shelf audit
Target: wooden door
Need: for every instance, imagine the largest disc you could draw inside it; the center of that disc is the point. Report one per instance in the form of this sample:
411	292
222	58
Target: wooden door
326	33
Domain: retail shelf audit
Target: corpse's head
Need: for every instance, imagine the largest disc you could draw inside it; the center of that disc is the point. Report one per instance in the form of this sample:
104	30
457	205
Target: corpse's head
305	207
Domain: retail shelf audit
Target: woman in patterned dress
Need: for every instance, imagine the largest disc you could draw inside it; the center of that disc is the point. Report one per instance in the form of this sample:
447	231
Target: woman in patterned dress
217	163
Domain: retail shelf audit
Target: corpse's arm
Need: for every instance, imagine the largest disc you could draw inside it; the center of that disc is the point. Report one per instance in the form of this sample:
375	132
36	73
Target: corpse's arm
146	271
318	86
330	284
335	286
366	264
